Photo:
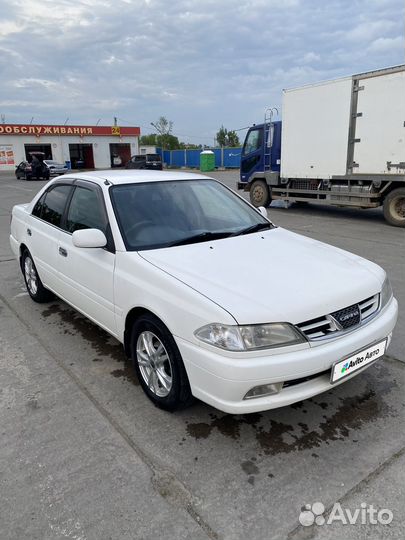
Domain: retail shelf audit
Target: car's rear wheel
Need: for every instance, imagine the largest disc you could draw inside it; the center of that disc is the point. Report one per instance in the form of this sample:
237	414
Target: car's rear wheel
32	280
158	364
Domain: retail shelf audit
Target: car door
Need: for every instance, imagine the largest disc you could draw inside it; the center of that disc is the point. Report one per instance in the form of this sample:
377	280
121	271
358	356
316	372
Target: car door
87	274
43	229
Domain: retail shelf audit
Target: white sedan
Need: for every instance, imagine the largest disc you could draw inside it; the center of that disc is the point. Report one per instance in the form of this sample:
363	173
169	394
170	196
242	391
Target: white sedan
209	298
55	168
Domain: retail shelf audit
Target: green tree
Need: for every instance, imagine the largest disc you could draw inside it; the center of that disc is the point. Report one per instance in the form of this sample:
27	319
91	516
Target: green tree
233	139
227	138
168	141
164	129
148	140
221	136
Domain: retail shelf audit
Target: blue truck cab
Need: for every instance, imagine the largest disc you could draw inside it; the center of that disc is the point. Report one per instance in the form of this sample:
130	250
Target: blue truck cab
261	152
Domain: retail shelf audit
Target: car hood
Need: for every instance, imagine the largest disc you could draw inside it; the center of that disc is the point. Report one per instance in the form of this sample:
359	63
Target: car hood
271	276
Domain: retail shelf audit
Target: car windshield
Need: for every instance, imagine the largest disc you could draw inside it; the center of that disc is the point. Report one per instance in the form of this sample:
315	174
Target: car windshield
155	215
153	157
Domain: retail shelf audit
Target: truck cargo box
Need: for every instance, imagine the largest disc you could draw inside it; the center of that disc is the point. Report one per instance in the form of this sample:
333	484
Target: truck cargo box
380	130
354	125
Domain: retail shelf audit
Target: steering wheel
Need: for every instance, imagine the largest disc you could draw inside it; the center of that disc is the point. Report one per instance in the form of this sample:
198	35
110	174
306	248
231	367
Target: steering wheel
137	227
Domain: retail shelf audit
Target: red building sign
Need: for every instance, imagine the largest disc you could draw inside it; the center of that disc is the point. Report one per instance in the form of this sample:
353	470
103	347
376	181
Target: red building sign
82	131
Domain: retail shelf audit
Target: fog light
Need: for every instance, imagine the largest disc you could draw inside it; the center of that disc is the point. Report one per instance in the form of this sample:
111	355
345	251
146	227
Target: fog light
264	390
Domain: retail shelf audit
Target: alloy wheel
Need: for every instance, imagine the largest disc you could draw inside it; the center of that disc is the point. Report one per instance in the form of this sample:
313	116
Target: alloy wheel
154	364
31	276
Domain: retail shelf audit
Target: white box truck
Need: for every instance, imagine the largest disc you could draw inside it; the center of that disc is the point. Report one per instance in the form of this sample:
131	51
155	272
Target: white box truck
340	142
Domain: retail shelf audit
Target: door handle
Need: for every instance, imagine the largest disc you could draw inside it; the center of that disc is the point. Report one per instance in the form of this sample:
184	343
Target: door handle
63	252
29	232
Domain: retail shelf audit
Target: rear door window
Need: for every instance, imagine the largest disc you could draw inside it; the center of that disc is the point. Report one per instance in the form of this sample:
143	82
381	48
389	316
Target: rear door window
53	205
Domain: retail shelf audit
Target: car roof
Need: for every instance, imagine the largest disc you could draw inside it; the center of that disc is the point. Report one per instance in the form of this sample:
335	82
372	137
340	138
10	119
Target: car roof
131	176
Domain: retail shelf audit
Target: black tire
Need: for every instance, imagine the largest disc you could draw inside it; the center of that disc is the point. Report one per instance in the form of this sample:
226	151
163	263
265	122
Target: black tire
260	194
32	280
179	396
394	207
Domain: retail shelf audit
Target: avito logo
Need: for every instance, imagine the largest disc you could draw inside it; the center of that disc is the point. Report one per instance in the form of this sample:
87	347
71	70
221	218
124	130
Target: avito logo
345	367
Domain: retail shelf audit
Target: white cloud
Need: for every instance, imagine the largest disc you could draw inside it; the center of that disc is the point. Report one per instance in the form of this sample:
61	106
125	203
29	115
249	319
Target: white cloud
387	44
369	29
200	64
310	57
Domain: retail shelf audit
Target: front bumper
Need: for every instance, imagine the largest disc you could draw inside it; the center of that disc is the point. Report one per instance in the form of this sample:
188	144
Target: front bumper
59	172
243	185
222	380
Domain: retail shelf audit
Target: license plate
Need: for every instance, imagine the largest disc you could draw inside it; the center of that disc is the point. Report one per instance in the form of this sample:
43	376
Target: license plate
344	368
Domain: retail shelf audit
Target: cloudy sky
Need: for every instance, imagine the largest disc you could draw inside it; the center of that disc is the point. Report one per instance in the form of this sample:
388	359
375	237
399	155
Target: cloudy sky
199	63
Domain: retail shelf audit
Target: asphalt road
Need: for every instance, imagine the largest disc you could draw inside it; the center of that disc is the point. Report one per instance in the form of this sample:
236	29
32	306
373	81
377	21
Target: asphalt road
84	455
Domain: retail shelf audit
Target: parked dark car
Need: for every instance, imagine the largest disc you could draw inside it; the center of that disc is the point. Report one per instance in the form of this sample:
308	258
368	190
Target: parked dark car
23	170
145	161
34	168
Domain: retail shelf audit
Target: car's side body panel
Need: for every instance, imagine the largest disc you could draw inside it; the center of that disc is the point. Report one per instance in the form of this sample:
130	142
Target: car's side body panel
140	284
86	278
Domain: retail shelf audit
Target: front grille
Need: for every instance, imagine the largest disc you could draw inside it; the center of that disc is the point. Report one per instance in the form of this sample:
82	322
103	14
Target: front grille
347	317
341	320
369	306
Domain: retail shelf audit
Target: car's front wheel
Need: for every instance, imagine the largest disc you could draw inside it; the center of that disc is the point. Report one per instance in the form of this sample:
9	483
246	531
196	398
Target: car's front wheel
32	280
158	364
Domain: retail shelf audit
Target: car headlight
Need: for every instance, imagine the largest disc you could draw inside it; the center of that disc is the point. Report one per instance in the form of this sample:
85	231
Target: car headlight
250	337
386	292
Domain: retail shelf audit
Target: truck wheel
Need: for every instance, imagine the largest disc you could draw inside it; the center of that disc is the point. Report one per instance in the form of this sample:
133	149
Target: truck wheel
158	364
394	207
260	194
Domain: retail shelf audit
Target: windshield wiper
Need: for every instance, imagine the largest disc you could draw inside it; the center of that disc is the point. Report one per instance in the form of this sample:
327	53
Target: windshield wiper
200	237
253	228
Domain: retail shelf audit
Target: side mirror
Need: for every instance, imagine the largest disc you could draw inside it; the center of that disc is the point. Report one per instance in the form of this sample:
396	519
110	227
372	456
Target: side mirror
89	238
263	211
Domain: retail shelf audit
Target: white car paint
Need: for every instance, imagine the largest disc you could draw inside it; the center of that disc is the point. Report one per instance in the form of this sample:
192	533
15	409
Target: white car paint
245	285
270	276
